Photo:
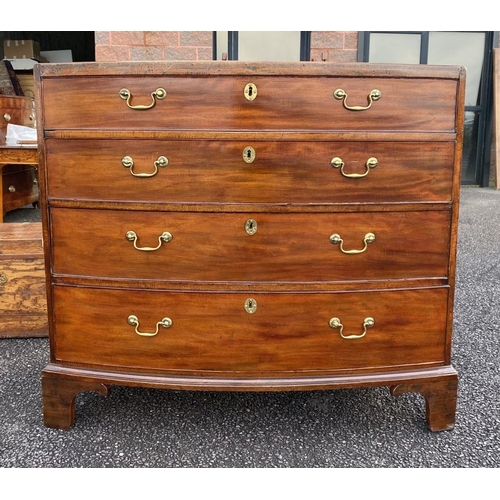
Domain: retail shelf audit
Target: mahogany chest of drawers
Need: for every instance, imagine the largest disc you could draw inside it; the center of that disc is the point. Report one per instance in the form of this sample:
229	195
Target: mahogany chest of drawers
250	227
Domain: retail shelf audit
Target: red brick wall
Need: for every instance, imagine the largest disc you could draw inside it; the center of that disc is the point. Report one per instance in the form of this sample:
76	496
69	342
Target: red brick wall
336	46
153	45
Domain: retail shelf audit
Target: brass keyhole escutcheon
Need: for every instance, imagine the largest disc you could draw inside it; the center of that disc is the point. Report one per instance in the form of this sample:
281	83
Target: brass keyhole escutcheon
251	226
12	189
3	279
250	306
249	154
250	91
7	117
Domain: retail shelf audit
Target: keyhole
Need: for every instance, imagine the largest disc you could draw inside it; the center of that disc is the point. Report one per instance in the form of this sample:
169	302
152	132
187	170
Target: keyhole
250	306
251	226
250	91
249	154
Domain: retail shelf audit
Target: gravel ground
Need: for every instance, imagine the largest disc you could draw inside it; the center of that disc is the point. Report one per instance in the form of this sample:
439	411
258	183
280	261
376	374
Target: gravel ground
362	428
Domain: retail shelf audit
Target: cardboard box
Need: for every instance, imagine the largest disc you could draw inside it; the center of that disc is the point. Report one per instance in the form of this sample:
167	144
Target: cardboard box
21	49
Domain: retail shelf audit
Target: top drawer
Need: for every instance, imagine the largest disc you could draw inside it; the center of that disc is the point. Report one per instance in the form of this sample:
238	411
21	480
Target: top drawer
249	103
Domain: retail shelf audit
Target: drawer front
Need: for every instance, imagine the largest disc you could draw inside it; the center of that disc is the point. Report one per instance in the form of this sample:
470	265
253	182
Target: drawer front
214	332
219	102
249	172
217	247
16	110
19	182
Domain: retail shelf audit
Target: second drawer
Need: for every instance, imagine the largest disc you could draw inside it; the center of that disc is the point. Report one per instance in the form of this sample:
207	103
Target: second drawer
194	171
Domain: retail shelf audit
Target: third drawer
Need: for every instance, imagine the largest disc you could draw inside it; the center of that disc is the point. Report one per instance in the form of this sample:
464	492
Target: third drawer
231	247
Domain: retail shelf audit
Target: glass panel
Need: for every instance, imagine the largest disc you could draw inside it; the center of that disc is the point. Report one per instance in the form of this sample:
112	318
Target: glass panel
466	49
222	40
269	45
469	154
394	48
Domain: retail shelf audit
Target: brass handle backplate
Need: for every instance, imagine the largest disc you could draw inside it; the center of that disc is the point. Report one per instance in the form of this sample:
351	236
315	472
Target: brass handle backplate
336	323
134	321
128	162
338	163
12	189
165	237
250	91
341	95
3	279
7	117
158	94
335	239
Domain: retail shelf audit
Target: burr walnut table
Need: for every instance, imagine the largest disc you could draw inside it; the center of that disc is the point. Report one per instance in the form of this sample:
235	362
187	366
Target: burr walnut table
250	227
23	303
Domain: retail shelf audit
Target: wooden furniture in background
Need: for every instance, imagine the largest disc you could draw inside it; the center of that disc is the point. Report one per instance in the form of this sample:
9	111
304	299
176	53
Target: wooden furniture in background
18	177
250	227
18	172
17	110
23	303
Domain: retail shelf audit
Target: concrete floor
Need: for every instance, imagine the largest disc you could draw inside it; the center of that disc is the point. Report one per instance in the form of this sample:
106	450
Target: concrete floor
147	428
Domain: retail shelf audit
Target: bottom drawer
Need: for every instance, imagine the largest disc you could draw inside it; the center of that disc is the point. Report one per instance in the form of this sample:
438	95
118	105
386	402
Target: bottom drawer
270	333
